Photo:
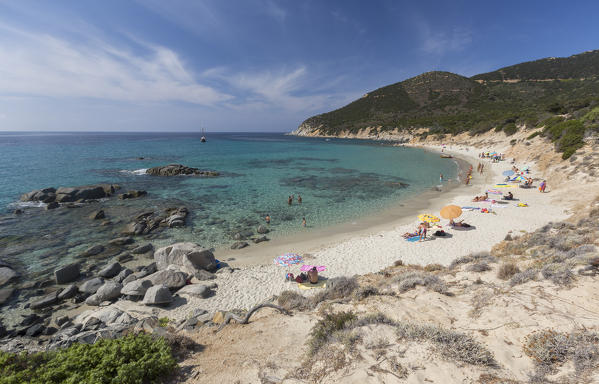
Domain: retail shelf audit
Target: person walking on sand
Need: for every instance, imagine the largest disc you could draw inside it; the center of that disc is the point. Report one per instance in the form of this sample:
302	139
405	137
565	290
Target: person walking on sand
543	186
267	219
304	222
299	199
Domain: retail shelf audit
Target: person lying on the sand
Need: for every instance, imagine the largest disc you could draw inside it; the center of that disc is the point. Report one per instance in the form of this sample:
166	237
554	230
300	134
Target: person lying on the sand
481	198
459	224
408	234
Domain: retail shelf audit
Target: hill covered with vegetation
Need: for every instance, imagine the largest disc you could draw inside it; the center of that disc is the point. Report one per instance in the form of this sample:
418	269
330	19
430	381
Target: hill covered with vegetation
559	94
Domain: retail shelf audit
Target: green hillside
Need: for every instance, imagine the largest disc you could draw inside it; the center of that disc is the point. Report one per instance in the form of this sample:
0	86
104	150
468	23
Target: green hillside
447	103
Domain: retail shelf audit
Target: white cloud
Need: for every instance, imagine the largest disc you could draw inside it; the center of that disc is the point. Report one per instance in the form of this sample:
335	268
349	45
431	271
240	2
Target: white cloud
38	64
442	42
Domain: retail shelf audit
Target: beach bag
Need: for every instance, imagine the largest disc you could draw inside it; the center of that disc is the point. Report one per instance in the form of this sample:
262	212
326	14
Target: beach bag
299	279
439	233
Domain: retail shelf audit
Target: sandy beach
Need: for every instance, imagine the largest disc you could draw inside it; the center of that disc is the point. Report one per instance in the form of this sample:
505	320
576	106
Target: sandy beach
256	279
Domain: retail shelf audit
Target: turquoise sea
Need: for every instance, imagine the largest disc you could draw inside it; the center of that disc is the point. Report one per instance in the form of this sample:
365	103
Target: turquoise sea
339	180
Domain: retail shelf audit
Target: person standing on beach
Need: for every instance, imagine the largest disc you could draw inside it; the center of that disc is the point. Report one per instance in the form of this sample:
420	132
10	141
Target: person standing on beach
422	232
543	186
304	222
482	166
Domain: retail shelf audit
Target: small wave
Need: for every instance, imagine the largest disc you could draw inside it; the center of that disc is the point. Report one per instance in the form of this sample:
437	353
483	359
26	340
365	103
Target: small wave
136	172
27	204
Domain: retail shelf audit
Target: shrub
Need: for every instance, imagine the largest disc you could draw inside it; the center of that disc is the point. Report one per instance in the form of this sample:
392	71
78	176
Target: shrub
477	256
163	322
509	129
451	344
533	135
292	300
507	270
559	274
324	329
337	288
479	267
410	280
364	292
433	267
131	359
524	276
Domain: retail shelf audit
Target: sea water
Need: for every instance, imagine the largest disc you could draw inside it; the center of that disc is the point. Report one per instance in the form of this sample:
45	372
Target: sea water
338	180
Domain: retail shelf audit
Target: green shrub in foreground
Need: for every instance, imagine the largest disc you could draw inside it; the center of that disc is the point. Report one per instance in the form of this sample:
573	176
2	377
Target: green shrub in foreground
128	360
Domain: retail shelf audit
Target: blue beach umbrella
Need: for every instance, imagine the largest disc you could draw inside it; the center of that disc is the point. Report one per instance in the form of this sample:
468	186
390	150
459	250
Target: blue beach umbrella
509	172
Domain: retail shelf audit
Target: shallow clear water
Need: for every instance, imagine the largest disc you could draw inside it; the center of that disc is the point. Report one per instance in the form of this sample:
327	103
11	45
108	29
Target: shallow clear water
338	180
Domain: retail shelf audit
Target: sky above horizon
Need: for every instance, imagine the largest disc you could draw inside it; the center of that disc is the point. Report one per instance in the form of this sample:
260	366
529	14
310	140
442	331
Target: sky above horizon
252	65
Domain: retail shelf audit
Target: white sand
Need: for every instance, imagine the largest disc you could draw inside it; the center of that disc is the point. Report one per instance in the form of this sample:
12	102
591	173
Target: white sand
370	252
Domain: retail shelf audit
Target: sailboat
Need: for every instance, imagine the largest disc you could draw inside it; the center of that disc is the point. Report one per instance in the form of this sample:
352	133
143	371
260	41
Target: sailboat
203	139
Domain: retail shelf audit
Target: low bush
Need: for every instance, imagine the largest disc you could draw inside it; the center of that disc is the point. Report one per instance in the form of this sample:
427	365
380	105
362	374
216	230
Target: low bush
524	276
128	360
410	280
507	270
533	135
559	274
483	266
337	288
325	328
291	300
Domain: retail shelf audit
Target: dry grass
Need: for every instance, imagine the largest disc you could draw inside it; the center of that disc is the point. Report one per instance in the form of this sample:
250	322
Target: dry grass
524	276
409	280
507	270
291	300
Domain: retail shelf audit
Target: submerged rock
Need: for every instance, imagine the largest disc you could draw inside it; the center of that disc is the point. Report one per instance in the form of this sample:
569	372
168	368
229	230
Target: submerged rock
5	294
97	215
6	275
132	194
45	301
142	249
178	169
92	251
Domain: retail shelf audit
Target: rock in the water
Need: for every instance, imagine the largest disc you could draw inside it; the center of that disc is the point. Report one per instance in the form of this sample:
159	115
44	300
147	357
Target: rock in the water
196	290
52	205
67	274
122	275
121	241
189	256
18	211
30	319
109	291
136	288
142	249
169	278
68	292
97	215
111	270
92	285
178	169
5	294
45	301
260	239
92	251
262	230
158	295
239	245
132	194
6	275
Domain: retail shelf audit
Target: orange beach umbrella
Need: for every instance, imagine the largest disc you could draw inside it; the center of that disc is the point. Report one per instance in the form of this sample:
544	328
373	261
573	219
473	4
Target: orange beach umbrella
451	212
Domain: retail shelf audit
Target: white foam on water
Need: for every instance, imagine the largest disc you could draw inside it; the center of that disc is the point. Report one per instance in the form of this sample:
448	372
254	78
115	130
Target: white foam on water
135	172
27	204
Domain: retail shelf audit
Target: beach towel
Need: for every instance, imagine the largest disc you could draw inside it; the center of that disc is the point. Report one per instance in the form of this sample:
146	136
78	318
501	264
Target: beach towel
522	205
494	192
413	239
305	286
470	208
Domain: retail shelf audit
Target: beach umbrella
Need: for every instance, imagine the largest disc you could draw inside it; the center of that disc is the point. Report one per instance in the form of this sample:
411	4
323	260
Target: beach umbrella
428	218
451	212
509	172
518	178
288	259
319	268
494	192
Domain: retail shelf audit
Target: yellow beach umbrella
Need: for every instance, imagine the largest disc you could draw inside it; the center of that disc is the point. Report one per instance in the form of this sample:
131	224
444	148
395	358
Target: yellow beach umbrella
451	212
428	218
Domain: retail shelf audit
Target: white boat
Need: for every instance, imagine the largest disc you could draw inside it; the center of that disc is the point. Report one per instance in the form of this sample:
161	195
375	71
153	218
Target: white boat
203	139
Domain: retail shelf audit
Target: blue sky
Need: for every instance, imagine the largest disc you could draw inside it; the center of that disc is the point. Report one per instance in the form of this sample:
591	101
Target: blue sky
252	65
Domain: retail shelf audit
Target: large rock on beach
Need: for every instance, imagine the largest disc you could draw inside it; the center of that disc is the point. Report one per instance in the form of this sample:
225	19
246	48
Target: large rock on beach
111	270
197	290
169	278
92	285
158	295
142	249
52	205
68	292
6	275
190	257
136	287
178	169
67	274
262	230
239	245
109	291
45	301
